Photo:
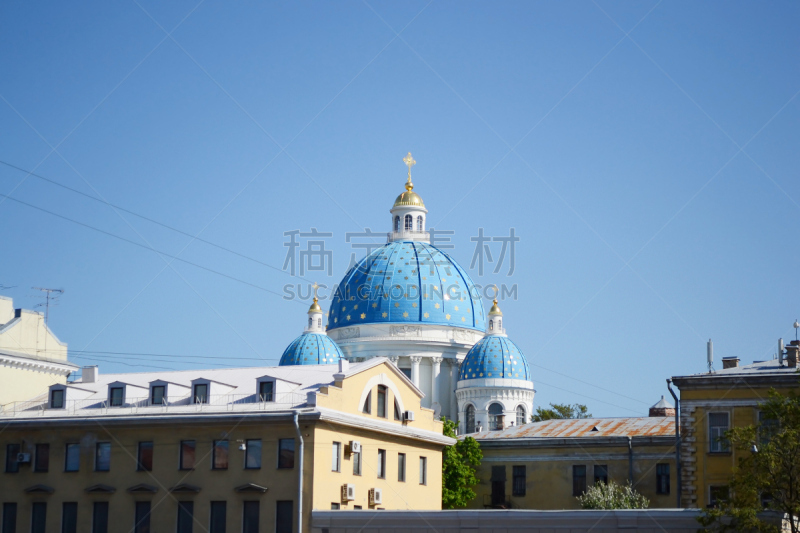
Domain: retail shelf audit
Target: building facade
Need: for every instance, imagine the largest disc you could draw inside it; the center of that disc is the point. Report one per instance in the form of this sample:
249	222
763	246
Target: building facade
224	450
712	403
31	356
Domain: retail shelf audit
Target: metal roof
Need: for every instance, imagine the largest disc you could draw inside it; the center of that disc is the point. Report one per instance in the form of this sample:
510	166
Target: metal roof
652	426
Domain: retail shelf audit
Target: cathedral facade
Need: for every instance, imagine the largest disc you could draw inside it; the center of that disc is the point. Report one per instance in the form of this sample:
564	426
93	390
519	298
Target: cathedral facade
411	302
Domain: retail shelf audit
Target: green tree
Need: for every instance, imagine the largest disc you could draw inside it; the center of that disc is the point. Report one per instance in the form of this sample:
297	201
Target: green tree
612	496
767	476
560	411
459	466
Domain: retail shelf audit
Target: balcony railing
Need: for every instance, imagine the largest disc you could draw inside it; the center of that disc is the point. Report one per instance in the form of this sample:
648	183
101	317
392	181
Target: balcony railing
408	236
186	404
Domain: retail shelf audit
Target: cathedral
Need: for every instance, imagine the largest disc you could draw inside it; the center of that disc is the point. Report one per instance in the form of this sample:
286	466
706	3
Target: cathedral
412	303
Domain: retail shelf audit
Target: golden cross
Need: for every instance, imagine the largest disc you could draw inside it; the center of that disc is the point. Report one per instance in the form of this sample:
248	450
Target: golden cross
315	286
496	292
409	161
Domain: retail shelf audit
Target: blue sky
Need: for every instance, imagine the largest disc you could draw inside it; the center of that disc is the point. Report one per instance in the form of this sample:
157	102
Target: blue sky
652	178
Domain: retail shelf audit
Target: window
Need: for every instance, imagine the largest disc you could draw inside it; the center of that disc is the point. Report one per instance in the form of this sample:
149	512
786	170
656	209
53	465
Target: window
286	453
498	485
116	396
201	393
495	416
157	395
767	427
419	223
72	457
283	516
250	517
409	223
396	224
185	517
100	517
219	516
423	470
717	494
470	416
356	507
9	517
578	479
397	415
717	426
518	480
491	325
520	415
187	454
265	391
382	464
57	399
336	460
600	474
335	506
367	404
356	463
144	458
252	454
141	519
219	459
12	450
41	462
69	517
401	467
662	478
310	322
38	517
382	401
102	458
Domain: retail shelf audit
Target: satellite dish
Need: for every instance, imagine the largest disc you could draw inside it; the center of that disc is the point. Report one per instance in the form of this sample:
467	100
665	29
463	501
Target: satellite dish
437	409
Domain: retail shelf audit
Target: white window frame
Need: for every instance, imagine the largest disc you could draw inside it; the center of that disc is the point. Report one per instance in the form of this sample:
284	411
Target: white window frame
714	444
336	457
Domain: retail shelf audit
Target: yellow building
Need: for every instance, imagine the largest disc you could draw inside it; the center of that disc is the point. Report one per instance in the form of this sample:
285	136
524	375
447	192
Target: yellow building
31	357
236	450
711	403
545	465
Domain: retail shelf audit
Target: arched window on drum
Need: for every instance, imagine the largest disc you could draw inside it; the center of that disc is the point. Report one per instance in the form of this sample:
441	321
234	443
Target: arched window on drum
409	226
419	223
397	223
470	416
520	415
495	417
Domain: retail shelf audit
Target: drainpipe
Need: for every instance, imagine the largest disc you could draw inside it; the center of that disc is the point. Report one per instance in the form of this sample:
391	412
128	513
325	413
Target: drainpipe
677	439
630	460
299	476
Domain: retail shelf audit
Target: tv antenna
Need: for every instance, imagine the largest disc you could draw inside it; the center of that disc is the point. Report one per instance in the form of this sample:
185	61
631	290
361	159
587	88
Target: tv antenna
795	326
50	294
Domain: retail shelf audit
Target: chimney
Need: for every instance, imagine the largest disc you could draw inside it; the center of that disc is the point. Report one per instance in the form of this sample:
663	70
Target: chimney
730	362
792	354
90	374
662	408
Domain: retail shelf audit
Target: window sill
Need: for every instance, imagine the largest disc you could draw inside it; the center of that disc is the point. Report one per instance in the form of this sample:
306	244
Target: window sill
719	454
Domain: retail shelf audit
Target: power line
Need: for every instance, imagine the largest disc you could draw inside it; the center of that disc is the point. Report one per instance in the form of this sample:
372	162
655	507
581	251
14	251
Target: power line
148	219
588	383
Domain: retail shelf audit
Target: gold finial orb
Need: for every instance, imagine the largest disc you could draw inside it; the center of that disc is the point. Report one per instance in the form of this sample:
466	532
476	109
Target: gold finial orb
315	308
495	310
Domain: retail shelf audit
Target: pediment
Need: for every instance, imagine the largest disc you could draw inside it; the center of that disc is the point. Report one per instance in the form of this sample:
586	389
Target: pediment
40	489
143	487
185	487
250	487
100	488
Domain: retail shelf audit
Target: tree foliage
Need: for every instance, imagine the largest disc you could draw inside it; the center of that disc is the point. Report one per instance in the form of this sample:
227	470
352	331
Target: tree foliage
767	476
612	496
459	466
560	411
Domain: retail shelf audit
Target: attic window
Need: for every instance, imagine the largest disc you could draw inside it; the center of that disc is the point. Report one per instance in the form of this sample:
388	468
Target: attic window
157	395
116	396
266	391
367	404
595	428
201	393
57	399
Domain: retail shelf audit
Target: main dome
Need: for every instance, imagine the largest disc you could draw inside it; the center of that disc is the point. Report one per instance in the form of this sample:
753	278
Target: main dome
407	282
311	349
495	356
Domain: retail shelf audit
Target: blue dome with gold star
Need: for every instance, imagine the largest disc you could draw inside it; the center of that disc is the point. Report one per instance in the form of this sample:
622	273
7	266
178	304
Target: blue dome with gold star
311	349
495	356
407	282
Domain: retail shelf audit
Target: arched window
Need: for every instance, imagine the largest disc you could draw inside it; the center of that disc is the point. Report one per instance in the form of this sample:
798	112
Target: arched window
397	223
419	223
367	404
409	223
470	416
499	323
491	325
397	415
382	401
319	322
310	321
520	415
495	416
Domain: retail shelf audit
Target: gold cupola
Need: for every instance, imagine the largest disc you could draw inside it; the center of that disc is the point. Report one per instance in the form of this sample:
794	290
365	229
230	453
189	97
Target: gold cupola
495	310
409	198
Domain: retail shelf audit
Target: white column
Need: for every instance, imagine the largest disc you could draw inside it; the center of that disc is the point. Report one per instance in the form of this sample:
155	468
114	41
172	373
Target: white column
455	365
415	360
437	366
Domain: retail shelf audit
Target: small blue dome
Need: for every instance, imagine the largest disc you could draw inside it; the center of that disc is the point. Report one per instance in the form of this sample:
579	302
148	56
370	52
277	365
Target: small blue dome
407	282
311	349
495	356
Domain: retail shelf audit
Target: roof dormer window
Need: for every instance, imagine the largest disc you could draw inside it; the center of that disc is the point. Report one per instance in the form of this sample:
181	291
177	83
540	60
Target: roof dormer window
200	393
158	394
57	399
116	396
266	391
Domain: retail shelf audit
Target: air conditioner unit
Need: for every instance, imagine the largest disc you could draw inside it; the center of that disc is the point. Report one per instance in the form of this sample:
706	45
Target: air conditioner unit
375	496
408	416
23	458
355	446
348	492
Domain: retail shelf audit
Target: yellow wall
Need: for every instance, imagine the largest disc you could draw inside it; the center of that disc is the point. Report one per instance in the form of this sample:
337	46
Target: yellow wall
549	473
20	385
